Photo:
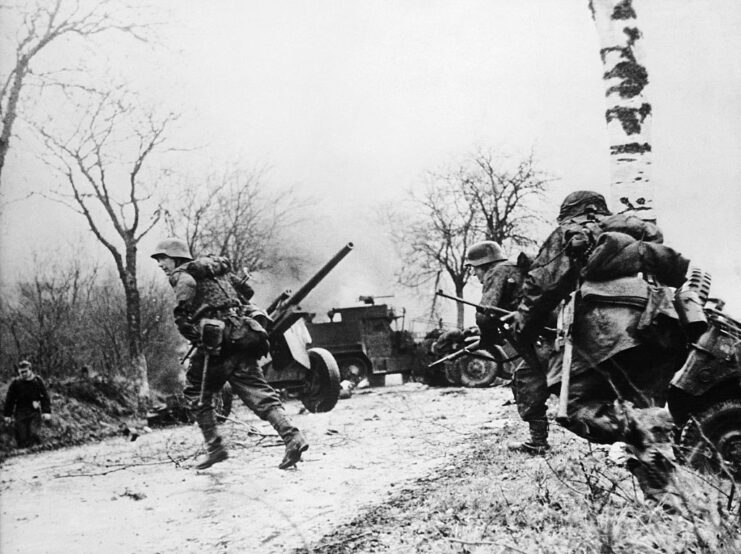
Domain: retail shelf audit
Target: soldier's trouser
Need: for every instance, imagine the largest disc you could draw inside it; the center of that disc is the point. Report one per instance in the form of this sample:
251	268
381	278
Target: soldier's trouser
26	429
245	377
530	388
596	407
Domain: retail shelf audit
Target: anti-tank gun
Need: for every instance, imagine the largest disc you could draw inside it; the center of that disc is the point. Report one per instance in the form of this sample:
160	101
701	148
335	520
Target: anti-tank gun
312	373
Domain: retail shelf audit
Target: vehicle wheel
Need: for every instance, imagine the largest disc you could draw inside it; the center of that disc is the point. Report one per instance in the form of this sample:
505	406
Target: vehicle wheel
354	369
223	403
322	382
477	372
712	435
453	374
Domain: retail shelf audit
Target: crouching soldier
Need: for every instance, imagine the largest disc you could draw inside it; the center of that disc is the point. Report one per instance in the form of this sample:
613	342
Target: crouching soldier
214	313
625	339
501	282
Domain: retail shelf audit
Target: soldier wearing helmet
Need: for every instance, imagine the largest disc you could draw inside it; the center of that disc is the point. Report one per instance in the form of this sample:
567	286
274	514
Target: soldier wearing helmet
501	283
623	353
213	313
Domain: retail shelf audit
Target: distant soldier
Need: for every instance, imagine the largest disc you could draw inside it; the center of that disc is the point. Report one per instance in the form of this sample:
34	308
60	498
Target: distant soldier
626	346
27	402
501	281
213	312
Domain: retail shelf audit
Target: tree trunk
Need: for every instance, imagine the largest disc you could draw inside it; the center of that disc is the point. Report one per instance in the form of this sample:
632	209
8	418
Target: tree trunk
461	307
133	328
628	111
11	110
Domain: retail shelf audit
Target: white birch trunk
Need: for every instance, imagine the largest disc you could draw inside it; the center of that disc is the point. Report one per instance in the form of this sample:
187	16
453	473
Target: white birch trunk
628	111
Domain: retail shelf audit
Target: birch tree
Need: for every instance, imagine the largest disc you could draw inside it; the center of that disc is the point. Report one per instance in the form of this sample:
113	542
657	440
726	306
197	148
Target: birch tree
628	110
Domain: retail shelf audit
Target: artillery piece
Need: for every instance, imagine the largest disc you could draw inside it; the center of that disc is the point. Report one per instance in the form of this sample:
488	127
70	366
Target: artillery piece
311	373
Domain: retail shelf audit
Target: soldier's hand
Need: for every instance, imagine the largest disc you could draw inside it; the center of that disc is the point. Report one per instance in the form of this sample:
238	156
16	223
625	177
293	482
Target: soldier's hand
8	419
46	417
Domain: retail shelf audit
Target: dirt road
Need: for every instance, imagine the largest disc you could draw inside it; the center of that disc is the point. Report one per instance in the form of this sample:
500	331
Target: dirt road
143	496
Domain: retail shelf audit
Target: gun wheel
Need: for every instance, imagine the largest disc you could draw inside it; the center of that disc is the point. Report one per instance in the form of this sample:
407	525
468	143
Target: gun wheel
354	369
477	372
322	382
711	441
453	374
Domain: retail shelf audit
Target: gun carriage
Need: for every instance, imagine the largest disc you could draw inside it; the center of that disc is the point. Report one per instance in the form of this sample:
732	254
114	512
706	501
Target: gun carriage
310	373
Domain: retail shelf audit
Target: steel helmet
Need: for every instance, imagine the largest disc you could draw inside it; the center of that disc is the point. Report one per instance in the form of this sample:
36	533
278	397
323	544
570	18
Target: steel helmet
484	252
175	248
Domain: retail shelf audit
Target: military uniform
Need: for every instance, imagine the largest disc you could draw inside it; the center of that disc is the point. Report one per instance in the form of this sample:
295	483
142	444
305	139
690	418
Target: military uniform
205	291
625	341
501	284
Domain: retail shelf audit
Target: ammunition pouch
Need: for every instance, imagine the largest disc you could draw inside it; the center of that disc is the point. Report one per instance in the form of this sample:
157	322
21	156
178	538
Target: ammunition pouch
245	333
212	335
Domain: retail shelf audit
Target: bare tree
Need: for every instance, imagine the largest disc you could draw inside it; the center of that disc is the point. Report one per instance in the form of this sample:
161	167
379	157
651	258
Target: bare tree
435	234
43	23
103	162
234	214
484	197
503	194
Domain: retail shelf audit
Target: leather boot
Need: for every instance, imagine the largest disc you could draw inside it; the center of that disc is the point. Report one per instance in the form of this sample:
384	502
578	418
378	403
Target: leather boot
296	443
215	451
654	473
538	443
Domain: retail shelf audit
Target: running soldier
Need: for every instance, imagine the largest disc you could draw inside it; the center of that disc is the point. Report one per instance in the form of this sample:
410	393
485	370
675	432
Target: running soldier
626	340
501	282
230	336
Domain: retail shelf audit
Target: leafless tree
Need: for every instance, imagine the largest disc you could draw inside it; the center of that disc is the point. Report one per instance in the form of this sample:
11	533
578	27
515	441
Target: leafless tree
503	193
435	233
482	197
234	213
42	23
103	163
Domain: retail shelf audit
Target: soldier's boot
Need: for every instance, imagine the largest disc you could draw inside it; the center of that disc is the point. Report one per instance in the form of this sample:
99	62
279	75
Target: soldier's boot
654	473
215	451
538	443
296	443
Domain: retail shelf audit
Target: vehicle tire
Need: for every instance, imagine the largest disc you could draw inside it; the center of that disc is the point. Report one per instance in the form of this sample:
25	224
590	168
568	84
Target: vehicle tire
223	403
712	435
354	369
477	372
453	373
322	382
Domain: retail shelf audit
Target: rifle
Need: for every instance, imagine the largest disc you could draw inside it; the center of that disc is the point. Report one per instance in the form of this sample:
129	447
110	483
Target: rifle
469	350
566	335
484	309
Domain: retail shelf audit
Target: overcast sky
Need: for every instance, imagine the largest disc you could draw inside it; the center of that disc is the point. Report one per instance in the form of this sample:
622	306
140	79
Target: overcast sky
352	101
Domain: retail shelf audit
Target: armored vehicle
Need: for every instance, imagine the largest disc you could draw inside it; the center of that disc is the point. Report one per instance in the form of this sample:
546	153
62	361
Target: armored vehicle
365	342
705	394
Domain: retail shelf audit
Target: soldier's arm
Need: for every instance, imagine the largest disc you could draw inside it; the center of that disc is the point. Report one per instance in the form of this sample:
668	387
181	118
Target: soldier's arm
184	286
549	281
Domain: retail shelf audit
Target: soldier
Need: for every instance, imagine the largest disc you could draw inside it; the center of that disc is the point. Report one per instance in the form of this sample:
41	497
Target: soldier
211	313
27	402
625	344
501	281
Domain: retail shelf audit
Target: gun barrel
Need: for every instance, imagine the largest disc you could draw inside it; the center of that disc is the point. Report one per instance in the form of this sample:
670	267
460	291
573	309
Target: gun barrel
500	311
303	292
